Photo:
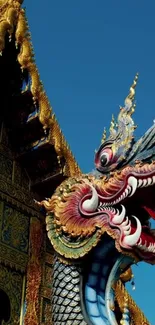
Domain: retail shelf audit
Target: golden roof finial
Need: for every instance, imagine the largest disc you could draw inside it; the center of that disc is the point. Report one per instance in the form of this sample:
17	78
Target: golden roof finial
131	96
121	131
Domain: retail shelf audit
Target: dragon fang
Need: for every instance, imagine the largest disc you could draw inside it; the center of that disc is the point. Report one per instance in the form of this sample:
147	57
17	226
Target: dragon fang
99	225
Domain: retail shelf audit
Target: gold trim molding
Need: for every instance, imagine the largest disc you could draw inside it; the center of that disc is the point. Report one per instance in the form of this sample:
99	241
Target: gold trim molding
10	257
17	198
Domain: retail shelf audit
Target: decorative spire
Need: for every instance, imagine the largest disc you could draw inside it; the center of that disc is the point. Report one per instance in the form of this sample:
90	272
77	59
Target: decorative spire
129	101
121	132
131	95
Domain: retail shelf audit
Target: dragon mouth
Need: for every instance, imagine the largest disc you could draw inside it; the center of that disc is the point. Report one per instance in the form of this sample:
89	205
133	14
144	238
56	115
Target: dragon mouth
138	200
142	206
130	210
84	208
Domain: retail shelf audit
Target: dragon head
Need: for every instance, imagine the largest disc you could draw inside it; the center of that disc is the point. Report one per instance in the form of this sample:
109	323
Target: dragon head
102	219
118	199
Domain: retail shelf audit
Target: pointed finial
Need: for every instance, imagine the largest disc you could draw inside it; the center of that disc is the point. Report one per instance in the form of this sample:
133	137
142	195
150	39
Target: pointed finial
132	88
129	101
104	136
121	131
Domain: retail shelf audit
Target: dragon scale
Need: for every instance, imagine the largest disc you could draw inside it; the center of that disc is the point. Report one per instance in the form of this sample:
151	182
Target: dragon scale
99	225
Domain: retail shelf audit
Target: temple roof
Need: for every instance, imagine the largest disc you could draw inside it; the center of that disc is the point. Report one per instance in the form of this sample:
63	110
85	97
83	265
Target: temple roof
34	132
14	23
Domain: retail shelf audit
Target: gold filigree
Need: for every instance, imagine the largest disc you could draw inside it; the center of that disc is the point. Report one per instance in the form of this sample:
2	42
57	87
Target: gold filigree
136	314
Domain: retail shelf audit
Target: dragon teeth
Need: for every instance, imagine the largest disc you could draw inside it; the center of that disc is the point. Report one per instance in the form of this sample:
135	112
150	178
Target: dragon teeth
145	248
90	205
129	191
140	182
127	232
126	226
146	182
149	181
125	223
132	240
151	248
119	217
132	182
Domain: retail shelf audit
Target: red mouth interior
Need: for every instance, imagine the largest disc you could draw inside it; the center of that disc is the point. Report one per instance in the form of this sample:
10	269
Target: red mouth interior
142	205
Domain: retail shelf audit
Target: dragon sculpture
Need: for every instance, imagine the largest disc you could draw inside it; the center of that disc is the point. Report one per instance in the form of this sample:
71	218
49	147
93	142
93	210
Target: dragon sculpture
99	225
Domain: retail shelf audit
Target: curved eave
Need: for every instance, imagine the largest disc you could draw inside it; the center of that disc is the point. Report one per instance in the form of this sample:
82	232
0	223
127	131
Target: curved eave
13	20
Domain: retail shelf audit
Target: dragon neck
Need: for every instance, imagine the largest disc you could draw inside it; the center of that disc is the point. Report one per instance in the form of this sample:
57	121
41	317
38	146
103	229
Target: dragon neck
83	294
66	294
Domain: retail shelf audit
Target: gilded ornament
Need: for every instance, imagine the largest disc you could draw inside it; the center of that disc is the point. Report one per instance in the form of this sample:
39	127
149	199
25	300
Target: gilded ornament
137	315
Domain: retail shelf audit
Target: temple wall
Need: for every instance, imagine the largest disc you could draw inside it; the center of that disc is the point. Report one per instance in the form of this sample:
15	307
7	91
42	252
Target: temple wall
14	243
25	261
14	229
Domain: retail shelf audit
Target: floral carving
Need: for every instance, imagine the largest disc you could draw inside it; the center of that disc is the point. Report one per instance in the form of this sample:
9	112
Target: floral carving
15	229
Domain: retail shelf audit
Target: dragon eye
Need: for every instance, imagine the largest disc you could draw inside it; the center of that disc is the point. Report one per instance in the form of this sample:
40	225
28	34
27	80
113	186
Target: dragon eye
105	156
104	159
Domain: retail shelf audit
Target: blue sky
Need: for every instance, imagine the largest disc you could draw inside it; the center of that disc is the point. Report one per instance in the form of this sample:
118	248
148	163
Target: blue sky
87	53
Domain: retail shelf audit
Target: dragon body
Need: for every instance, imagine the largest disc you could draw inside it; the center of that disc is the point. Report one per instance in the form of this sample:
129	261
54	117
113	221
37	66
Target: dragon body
99	225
